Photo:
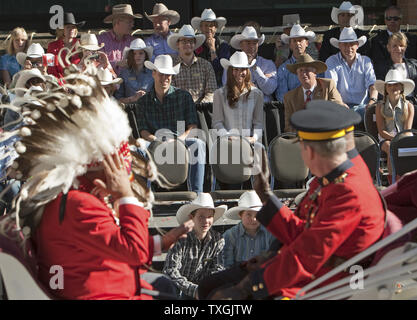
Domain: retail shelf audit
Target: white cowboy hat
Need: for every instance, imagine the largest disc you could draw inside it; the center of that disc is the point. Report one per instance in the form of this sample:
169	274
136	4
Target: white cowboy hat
35	50
138	44
249	200
186	31
394	76
159	9
122	9
163	64
346	6
298	31
238	60
106	77
249	33
25	76
208	15
89	41
348	35
203	201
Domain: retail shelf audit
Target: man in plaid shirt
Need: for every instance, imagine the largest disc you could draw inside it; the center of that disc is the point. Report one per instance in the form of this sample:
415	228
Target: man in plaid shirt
200	254
169	108
197	74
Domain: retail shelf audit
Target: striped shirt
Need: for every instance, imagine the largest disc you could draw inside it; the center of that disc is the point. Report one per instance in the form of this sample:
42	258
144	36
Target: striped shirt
152	115
113	48
198	79
190	260
240	246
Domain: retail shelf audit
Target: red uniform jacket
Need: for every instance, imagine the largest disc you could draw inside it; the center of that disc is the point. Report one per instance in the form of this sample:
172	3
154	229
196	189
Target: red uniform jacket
346	217
100	260
54	48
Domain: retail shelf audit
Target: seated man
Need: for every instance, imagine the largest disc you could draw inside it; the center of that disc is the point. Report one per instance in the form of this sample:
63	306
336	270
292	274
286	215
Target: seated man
248	238
118	37
161	19
298	41
167	107
347	15
200	254
353	73
264	72
311	88
196	74
339	218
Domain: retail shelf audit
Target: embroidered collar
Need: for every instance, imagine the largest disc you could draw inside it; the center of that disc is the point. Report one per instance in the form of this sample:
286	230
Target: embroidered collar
352	153
337	174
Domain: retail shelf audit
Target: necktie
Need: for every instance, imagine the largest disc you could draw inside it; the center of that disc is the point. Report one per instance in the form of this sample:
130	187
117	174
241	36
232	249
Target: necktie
308	94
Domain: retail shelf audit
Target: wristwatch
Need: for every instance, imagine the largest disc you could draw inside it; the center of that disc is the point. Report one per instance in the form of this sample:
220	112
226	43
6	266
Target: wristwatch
373	99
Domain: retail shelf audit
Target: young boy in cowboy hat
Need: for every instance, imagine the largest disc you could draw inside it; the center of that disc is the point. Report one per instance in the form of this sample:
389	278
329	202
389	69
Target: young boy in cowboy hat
352	72
161	19
248	238
200	254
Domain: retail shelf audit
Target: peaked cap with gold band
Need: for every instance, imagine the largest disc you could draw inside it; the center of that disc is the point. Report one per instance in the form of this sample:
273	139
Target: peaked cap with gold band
317	123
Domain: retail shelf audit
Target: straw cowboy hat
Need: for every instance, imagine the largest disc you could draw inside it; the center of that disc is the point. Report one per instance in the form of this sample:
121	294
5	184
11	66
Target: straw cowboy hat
138	44
346	6
24	77
203	201
298	31
394	76
208	15
186	31
106	77
163	64
159	9
238	60
306	60
249	200
348	35
249	33
35	50
88	41
121	9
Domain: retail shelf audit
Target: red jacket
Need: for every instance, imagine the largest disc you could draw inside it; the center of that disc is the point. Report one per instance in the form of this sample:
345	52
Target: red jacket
100	259
346	218
54	48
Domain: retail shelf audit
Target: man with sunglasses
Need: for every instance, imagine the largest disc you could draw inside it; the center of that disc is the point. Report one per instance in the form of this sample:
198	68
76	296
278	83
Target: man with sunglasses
379	53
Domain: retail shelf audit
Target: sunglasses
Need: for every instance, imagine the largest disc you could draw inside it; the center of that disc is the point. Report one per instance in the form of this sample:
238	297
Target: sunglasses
393	18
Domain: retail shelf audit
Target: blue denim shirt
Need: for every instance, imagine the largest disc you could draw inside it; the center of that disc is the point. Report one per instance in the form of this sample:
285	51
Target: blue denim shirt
239	246
287	81
9	63
134	81
160	45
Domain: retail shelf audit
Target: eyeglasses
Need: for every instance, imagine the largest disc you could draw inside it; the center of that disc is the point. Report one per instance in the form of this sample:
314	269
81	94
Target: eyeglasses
393	18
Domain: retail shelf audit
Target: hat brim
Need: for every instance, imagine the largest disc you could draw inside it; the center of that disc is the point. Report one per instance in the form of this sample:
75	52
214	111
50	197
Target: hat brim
91	47
172	15
196	21
318	65
173	70
335	13
115	81
173	40
408	84
148	50
77	24
184	212
335	42
236	39
226	64
109	19
233	213
309	35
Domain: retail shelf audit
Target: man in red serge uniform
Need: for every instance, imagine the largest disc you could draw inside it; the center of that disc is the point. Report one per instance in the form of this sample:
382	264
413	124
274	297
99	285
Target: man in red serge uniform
343	213
75	161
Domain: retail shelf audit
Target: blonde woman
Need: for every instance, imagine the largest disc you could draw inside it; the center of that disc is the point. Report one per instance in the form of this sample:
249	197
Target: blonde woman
8	63
394	113
238	106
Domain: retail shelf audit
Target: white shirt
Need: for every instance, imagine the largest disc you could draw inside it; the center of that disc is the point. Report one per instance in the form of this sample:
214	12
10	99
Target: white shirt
402	69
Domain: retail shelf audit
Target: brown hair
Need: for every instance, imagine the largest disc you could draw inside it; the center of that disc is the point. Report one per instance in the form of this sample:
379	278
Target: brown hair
13	35
131	63
233	91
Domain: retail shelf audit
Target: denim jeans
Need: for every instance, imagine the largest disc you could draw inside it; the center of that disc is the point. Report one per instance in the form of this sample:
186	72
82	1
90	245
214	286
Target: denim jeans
359	108
197	148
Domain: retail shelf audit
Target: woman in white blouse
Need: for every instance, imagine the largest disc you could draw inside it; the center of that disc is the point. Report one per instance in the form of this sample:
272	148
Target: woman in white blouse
238	106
